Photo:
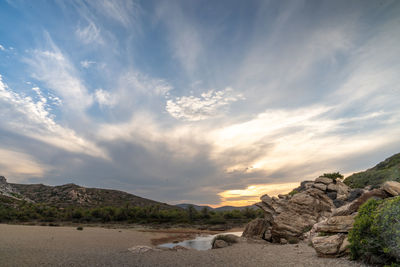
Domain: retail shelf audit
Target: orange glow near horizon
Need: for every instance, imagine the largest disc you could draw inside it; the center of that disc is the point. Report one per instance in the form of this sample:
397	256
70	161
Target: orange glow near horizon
252	194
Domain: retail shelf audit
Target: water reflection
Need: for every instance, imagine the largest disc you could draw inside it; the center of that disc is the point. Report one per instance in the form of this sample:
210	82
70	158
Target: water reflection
202	242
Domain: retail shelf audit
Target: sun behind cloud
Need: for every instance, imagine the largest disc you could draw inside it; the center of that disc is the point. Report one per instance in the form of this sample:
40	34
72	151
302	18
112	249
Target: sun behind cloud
252	194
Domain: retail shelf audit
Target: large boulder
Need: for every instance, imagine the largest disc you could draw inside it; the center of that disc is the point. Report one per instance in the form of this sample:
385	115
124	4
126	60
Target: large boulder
219	244
324	180
328	246
336	224
290	217
392	187
256	228
352	207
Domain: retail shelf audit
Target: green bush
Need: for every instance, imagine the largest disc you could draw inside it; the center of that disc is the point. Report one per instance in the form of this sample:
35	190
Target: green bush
375	237
333	175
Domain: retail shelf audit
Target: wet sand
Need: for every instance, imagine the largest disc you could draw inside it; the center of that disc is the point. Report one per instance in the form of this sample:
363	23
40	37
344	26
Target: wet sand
65	246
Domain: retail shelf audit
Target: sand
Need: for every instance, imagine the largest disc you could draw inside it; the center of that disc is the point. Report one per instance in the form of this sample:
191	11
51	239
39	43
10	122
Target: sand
65	246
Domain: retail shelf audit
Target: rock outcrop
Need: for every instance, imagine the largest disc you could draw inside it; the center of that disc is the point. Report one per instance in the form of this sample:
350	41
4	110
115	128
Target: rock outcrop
8	190
329	237
322	211
290	216
256	229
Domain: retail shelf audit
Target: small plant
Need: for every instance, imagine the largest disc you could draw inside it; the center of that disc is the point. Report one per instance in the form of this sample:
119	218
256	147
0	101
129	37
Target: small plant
333	175
293	192
80	228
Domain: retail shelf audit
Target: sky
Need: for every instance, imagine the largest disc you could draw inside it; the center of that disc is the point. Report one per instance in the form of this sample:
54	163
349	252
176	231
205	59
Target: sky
203	102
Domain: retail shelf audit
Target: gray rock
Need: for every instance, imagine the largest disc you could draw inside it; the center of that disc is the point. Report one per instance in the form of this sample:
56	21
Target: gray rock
336	224
328	246
219	244
320	186
141	249
392	188
256	228
323	180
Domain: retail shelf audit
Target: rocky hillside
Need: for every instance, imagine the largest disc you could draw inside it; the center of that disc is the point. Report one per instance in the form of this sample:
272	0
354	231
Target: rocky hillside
387	170
8	192
73	195
323	211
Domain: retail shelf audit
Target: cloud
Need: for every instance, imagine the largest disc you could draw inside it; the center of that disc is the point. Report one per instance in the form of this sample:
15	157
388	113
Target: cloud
89	34
86	63
53	68
21	114
18	165
208	105
104	98
184	36
2	48
252	194
124	12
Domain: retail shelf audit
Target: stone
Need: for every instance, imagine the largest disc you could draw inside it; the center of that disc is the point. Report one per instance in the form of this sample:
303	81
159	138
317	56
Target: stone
283	241
219	244
268	235
355	205
338	203
336	224
327	246
256	228
392	188
141	249
179	247
332	195
323	180
345	247
299	214
355	193
342	190
320	186
266	199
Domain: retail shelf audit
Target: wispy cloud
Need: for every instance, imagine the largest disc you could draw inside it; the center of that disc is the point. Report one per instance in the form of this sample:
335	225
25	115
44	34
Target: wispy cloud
21	114
89	34
87	63
2	48
208	105
53	68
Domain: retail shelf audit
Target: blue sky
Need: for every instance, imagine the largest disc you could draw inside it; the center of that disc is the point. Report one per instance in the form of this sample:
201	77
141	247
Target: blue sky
208	102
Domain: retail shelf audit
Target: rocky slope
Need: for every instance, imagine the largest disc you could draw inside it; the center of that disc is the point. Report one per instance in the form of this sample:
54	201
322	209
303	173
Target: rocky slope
7	191
323	211
289	217
73	195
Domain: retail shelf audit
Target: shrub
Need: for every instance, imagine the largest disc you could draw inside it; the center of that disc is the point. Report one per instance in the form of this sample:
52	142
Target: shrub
80	228
333	175
375	237
293	192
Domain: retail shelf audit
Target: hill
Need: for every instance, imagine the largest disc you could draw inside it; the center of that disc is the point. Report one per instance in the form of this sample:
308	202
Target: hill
387	170
74	195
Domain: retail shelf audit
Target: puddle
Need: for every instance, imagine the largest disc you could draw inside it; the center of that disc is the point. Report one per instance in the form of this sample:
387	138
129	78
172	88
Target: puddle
202	242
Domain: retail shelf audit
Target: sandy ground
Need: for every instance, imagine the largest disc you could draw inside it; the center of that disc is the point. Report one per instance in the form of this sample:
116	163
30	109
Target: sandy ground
66	246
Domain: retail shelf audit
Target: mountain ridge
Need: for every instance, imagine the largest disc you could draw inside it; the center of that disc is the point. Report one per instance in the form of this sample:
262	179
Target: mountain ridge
70	194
